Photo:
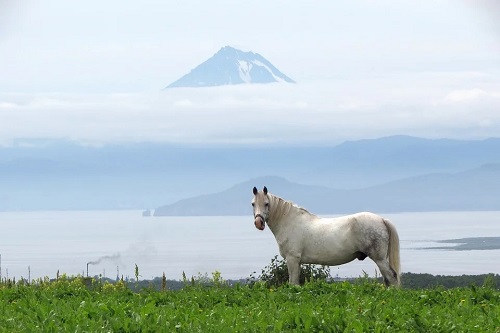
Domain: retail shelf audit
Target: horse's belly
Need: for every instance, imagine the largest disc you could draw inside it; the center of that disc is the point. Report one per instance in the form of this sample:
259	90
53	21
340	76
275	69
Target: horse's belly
328	258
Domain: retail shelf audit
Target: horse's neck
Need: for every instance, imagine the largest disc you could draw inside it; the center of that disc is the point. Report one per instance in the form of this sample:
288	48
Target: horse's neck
282	213
276	205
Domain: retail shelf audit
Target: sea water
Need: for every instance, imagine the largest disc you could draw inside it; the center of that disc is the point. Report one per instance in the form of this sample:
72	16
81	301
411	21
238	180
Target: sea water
112	243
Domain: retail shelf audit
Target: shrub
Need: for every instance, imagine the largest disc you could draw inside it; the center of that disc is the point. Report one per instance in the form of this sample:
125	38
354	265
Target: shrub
276	273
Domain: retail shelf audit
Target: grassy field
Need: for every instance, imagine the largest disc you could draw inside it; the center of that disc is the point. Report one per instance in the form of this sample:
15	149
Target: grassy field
83	305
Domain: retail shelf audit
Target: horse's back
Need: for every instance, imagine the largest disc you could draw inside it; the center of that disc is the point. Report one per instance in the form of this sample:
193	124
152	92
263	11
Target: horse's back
360	228
365	219
364	216
348	223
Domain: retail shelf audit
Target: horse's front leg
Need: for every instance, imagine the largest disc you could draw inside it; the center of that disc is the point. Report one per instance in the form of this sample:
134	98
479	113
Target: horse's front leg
293	264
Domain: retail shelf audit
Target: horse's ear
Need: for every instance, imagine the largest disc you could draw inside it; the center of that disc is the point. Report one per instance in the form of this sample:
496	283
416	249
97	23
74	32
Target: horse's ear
265	190
255	190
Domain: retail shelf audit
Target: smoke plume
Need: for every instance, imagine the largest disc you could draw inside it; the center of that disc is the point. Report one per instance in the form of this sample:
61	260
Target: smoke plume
113	257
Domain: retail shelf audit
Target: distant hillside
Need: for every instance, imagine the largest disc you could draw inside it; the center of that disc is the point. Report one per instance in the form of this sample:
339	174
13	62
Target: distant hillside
236	200
477	189
230	66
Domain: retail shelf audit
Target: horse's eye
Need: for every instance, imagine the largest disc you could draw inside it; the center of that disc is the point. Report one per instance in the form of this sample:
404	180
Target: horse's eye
267	204
253	204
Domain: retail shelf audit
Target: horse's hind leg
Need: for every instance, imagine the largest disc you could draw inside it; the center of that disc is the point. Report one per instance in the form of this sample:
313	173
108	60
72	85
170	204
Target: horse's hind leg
389	275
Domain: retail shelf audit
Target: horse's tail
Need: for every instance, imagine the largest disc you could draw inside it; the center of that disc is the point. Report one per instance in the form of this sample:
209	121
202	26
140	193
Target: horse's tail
393	249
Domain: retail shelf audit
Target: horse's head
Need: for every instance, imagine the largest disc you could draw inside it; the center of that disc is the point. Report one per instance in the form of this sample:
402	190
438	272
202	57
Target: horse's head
260	205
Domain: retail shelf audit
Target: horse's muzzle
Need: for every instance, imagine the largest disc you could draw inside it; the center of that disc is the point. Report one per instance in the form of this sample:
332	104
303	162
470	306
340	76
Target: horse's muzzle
259	222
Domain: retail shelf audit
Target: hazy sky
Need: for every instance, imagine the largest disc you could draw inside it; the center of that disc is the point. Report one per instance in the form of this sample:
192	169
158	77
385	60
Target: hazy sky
94	71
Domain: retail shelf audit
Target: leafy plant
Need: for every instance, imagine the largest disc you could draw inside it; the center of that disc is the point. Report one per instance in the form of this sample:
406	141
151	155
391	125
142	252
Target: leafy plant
69	304
276	273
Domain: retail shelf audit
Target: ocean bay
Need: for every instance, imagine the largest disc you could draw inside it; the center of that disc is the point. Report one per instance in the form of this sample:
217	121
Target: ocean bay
111	243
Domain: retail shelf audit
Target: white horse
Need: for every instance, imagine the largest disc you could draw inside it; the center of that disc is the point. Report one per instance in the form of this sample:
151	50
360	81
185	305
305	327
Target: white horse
304	238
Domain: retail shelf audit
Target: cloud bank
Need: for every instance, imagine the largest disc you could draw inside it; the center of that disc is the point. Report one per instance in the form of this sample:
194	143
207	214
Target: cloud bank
260	114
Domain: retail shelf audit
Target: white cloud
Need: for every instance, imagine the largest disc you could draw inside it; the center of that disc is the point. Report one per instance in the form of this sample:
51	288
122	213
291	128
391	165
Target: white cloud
460	96
466	96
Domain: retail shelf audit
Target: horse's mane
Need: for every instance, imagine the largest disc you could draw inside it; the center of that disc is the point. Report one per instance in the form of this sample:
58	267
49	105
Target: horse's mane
280	207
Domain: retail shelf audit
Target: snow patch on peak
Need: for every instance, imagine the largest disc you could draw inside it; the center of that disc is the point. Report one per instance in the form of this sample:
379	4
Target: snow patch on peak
244	69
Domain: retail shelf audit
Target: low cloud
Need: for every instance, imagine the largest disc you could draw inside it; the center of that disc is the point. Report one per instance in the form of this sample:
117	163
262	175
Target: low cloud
262	114
461	96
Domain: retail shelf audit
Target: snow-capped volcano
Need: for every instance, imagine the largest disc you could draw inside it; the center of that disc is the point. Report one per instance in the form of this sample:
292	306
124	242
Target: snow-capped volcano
231	66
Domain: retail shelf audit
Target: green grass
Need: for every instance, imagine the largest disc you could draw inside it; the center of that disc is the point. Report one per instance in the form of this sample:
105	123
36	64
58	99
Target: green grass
71	305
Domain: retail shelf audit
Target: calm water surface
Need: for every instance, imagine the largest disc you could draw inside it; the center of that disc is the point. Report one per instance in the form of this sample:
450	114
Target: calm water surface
39	244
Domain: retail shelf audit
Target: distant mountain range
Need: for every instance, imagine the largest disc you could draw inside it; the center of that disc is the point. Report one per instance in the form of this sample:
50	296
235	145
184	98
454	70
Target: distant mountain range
230	66
392	174
477	189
